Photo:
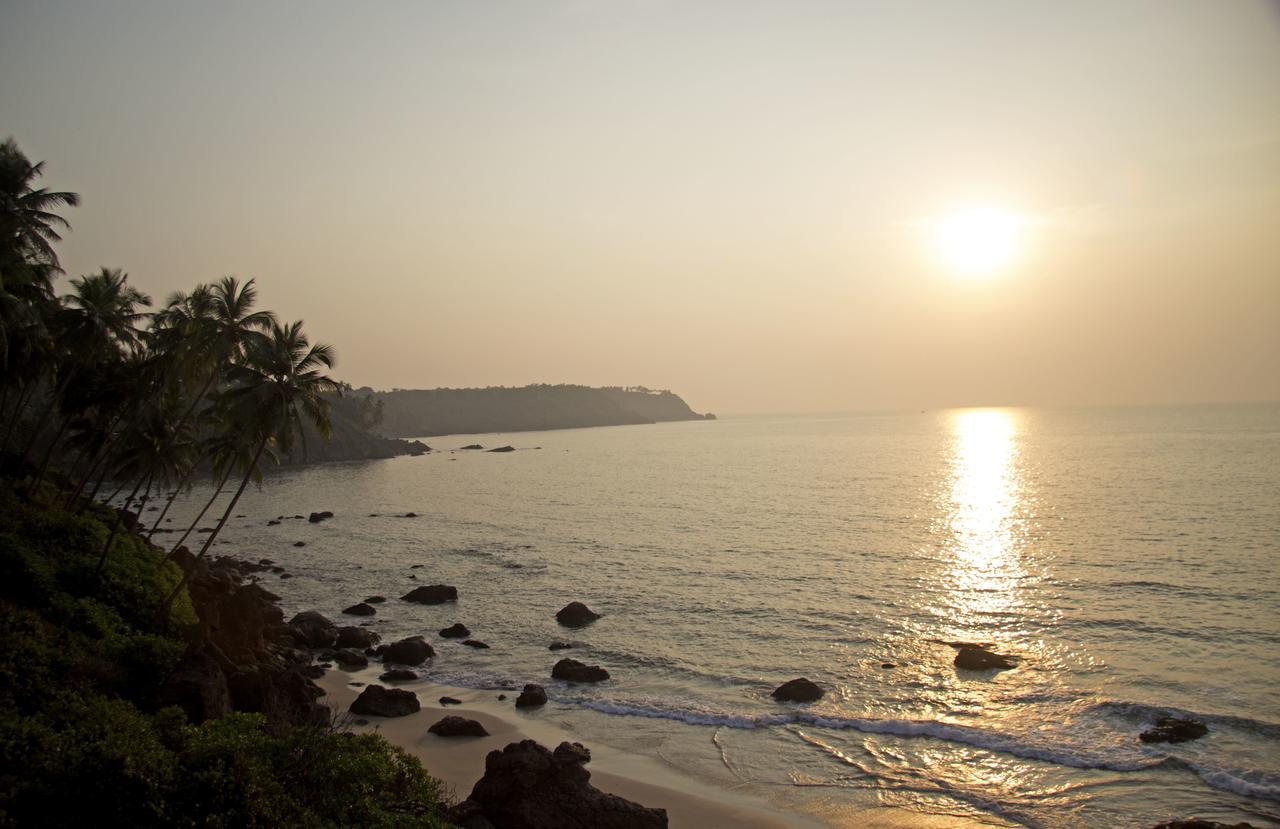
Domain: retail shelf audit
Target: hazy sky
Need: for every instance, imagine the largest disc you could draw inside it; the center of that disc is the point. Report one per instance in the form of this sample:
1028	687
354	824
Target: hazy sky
730	199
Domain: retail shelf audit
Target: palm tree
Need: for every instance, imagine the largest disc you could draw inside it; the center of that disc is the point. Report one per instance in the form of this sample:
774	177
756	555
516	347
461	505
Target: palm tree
279	384
28	225
99	321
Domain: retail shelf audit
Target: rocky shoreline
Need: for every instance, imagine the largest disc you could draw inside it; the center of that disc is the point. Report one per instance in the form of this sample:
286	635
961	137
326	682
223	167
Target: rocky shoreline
246	657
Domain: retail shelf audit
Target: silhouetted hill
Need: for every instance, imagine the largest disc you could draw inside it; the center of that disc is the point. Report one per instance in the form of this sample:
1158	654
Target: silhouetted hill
426	412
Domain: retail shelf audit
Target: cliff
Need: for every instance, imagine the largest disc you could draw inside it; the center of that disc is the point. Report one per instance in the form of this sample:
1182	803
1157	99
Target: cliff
426	412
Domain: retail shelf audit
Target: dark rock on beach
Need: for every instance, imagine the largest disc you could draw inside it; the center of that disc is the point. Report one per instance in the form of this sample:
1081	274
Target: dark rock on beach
312	630
575	615
360	609
503	449
532	696
399	675
457	727
375	600
377	701
299	543
476	643
455	631
348	658
527	786
978	658
411	651
317	517
797	690
472	446
432	594
1174	730
559	646
571	670
354	637
450	701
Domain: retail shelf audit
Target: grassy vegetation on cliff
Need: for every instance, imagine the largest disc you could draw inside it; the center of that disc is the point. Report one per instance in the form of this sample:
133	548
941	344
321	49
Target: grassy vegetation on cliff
82	656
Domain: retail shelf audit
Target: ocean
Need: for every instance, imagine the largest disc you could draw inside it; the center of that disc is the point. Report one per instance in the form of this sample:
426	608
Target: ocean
1129	557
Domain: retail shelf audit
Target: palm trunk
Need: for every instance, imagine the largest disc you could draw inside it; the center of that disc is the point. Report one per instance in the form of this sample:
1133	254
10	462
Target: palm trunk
115	528
17	416
186	576
200	517
44	415
48	454
169	503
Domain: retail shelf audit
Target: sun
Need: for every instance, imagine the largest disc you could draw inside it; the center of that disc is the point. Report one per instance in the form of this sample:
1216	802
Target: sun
978	241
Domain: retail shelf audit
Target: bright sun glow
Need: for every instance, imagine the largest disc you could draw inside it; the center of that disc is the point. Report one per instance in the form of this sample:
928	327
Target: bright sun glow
978	241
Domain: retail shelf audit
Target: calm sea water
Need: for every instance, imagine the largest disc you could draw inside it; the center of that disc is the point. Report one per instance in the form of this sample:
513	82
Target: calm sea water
1130	557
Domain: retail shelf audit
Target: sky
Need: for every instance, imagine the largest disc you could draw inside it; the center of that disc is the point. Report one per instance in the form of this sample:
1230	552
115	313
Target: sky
734	200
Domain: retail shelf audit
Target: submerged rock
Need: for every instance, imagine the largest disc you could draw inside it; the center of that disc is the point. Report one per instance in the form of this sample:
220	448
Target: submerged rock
1174	730
432	594
476	643
797	690
455	631
411	651
457	727
559	646
377	701
575	615
571	670
532	696
978	658
527	786
360	609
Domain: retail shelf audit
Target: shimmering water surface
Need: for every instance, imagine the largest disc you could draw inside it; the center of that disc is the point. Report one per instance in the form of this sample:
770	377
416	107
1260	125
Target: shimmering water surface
1129	557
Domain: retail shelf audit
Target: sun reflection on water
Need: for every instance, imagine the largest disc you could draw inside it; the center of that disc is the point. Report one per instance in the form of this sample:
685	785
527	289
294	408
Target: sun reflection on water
985	492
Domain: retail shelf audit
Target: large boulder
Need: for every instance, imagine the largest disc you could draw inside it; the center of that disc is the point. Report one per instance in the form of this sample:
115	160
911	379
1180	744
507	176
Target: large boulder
457	727
313	630
532	696
377	701
432	594
456	631
1174	730
356	637
575	615
571	670
797	690
527	786
411	651
978	658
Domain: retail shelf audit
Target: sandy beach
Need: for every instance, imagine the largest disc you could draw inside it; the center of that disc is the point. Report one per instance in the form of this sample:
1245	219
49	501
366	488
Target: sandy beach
459	763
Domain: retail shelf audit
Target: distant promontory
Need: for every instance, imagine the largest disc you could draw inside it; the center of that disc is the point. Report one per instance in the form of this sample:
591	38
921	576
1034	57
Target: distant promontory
426	412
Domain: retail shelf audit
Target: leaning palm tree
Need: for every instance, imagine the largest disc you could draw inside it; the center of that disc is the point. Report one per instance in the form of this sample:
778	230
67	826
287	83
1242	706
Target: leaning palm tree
28	224
280	384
